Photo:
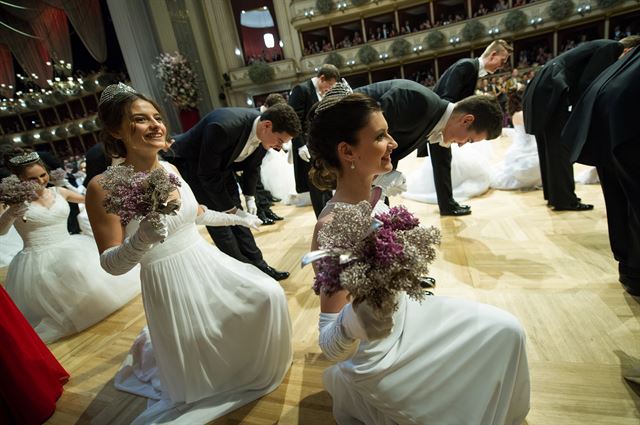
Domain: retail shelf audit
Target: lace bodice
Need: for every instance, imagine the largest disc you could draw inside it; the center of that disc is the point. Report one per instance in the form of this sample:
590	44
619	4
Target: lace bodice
44	226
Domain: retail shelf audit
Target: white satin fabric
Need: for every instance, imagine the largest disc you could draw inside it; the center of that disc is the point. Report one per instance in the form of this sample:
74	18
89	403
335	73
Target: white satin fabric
520	168
219	333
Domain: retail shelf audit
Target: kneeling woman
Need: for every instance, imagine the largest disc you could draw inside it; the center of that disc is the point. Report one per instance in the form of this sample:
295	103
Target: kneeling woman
442	361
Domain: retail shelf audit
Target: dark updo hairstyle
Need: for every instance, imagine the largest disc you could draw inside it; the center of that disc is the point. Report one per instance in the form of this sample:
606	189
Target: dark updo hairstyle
110	115
18	169
514	101
338	123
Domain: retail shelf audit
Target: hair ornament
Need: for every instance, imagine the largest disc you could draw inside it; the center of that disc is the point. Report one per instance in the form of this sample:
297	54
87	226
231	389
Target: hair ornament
338	92
113	90
25	159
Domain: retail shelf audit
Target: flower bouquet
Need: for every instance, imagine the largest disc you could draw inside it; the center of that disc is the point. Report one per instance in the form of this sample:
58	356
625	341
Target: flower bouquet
373	257
58	177
137	195
178	79
14	191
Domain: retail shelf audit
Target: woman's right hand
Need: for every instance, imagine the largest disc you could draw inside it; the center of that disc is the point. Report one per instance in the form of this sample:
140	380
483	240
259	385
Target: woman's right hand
17	210
150	232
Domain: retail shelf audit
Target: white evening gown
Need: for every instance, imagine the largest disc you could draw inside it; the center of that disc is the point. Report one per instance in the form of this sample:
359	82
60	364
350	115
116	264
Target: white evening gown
219	333
57	281
447	362
588	176
520	168
470	173
276	174
10	245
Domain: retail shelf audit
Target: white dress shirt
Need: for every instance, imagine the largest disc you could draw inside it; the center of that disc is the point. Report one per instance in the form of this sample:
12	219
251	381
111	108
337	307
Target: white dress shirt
252	143
314	80
436	135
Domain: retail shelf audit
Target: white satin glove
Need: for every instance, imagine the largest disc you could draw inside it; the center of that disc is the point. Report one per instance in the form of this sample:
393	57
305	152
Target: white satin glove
333	342
120	259
392	183
252	220
250	201
217	219
303	153
10	215
364	323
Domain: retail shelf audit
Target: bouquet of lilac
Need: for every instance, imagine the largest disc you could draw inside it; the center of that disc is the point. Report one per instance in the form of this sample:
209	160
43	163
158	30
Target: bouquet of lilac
137	195
373	258
14	191
58	176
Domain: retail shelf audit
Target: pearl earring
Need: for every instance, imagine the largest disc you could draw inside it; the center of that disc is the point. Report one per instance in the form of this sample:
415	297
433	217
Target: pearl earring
353	165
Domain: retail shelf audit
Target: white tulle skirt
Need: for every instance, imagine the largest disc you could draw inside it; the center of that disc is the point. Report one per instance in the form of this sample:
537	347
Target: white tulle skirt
470	174
520	168
10	245
61	288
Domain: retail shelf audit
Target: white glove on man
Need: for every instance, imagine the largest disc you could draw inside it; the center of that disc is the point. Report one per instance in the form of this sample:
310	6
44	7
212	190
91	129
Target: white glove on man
392	183
9	216
303	153
120	259
216	219
251	204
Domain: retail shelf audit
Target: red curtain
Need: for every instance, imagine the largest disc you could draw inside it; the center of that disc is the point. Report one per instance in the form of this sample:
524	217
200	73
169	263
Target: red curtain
7	76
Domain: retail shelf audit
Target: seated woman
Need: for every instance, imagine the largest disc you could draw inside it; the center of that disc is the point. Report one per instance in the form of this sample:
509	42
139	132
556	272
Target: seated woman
56	280
442	361
219	333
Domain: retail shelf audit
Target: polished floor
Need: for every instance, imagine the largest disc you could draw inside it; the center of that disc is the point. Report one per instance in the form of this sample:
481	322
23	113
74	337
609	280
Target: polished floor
553	270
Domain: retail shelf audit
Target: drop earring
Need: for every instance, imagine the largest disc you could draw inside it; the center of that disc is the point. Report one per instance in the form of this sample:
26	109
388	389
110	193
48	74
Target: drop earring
353	165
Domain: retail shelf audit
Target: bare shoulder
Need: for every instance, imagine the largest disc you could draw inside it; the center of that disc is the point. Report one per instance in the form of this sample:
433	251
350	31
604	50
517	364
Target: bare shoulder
172	168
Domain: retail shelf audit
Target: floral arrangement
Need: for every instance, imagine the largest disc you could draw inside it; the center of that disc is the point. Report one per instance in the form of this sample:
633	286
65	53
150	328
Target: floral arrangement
336	59
261	73
607	3
58	176
178	79
373	258
367	54
561	9
515	21
325	6
400	48
137	195
435	39
14	191
473	30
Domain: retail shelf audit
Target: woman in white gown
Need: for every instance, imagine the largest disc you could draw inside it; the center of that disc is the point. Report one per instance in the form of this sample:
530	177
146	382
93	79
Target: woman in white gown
219	329
443	361
470	174
56	279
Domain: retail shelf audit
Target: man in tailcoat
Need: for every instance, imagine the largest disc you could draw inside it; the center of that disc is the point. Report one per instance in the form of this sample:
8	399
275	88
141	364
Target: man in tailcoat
546	106
599	132
457	82
302	98
226	141
416	115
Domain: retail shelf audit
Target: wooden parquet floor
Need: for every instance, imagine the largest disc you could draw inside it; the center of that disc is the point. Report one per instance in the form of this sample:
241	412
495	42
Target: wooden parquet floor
553	270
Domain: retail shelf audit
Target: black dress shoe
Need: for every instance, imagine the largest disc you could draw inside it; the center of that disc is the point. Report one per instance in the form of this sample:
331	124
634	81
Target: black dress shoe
456	211
579	206
427	282
274	199
275	274
273	216
263	217
464	207
630	279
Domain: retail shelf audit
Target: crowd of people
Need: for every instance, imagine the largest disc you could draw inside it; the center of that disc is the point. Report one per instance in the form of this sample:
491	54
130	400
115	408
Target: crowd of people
207	305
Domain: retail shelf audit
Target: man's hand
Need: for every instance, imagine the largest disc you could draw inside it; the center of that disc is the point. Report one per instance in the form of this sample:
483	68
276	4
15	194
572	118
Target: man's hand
303	153
251	204
392	183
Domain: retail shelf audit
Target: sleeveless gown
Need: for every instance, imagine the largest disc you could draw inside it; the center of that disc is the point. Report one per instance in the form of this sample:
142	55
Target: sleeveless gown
57	281
470	174
447	361
520	168
219	333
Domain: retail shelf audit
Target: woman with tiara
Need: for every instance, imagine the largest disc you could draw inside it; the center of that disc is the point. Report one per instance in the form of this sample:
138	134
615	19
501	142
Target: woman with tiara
56	279
219	333
442	361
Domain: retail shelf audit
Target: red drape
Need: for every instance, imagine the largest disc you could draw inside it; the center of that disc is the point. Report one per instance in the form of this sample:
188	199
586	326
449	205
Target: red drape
7	75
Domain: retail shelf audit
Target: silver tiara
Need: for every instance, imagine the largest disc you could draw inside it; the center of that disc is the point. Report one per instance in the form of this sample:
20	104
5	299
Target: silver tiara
26	158
338	92
113	90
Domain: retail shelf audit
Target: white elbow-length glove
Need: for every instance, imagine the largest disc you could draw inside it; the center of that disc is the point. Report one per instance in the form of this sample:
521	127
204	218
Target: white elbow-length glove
392	183
339	332
303	153
251	204
9	216
217	219
120	259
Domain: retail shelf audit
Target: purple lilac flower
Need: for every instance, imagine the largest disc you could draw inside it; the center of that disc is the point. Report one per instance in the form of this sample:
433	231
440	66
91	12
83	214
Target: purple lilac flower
398	218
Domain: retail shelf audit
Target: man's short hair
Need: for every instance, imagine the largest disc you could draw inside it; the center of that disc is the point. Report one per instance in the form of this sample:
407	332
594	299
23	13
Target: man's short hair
497	46
486	111
631	41
330	72
283	118
274	99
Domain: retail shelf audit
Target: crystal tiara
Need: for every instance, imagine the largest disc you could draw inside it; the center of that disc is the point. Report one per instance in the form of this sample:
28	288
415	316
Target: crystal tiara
113	90
24	159
338	92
